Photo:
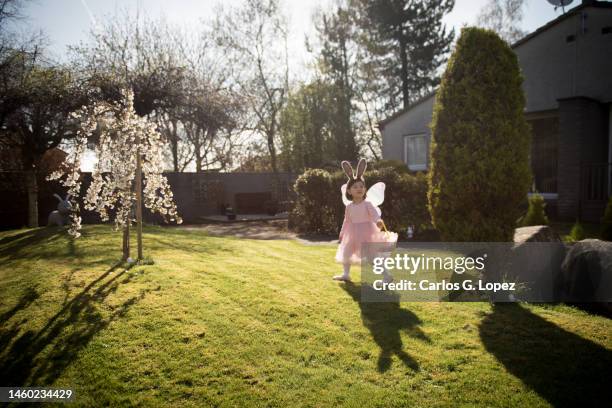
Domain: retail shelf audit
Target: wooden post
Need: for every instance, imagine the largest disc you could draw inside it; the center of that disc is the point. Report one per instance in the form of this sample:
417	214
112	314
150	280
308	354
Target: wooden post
126	242
139	202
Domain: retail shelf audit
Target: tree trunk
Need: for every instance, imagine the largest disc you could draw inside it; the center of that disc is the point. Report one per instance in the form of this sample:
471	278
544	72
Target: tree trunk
32	188
272	150
197	145
275	176
198	160
404	61
126	242
139	203
175	146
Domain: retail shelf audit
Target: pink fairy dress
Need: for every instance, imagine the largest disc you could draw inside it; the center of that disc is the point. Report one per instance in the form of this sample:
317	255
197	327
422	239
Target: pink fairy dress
359	226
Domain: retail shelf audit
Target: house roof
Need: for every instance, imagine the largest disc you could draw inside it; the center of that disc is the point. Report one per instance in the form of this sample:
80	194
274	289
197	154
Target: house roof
399	113
569	13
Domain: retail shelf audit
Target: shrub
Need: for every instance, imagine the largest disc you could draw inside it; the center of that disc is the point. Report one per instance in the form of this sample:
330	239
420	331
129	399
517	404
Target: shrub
337	206
577	232
606	222
312	211
535	213
405	200
480	168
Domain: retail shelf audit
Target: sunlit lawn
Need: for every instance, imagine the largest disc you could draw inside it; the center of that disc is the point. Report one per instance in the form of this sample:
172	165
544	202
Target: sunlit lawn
226	322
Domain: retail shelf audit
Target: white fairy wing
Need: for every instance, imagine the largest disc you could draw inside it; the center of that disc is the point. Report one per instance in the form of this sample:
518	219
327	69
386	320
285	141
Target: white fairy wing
345	200
376	194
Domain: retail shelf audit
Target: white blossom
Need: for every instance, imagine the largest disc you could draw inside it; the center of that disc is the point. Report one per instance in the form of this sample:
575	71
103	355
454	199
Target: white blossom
122	136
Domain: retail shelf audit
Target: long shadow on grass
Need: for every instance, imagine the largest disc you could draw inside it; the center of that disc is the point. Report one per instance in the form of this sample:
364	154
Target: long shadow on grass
26	299
563	368
28	296
39	358
12	247
48	243
386	320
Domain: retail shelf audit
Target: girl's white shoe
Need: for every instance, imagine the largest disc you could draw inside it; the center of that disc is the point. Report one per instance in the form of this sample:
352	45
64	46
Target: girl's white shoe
343	278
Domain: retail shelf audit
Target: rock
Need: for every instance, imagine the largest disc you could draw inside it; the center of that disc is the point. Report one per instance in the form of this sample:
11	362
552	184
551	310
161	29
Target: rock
536	262
536	233
586	273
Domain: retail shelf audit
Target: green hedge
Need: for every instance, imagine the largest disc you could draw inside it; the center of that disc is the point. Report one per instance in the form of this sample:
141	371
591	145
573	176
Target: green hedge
319	207
313	211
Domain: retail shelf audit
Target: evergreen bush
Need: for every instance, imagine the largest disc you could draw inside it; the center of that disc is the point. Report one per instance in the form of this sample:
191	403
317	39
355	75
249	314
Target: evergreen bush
480	171
577	232
535	213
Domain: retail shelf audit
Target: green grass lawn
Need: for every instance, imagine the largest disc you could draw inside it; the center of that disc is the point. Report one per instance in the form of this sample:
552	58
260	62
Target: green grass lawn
226	322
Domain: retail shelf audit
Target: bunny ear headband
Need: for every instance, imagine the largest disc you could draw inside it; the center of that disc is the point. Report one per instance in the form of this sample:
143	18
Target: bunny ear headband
348	169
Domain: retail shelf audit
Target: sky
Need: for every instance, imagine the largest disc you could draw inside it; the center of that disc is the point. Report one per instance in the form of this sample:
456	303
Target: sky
66	22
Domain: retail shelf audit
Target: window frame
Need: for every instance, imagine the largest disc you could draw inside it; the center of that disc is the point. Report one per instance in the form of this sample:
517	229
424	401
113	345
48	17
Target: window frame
418	166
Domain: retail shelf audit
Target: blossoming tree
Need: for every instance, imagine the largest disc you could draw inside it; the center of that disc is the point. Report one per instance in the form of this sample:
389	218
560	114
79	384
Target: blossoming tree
128	172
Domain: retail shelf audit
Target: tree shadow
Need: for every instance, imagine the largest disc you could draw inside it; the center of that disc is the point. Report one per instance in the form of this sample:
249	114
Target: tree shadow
385	320
12	246
28	296
39	358
562	367
26	299
49	243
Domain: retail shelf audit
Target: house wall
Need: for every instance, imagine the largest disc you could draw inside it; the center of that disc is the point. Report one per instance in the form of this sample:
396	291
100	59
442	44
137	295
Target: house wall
554	68
571	79
415	121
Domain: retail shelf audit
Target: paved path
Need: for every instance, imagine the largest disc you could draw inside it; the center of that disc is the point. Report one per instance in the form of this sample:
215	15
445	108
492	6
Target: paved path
276	229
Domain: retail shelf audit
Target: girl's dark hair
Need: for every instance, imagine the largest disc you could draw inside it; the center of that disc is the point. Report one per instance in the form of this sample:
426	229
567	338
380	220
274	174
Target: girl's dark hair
350	184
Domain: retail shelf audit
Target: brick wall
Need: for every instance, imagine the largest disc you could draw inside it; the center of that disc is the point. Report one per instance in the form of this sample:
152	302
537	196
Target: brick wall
582	140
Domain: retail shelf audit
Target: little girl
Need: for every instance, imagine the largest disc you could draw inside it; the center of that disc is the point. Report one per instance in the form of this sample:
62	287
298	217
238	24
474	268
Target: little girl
362	222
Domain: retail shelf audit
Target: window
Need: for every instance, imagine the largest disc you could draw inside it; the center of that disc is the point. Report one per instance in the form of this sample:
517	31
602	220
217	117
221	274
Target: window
415	151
